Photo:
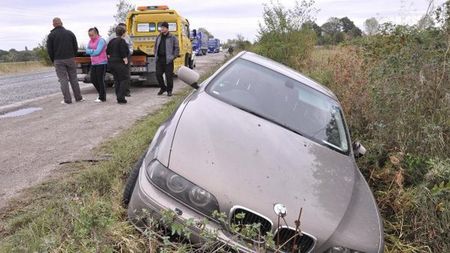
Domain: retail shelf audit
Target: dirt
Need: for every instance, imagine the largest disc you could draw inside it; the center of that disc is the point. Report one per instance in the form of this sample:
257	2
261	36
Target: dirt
34	144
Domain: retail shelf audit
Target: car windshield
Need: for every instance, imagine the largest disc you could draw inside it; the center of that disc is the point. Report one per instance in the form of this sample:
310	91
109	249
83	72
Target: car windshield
283	101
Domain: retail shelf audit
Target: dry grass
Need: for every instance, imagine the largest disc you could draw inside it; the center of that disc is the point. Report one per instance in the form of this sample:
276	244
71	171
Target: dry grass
20	67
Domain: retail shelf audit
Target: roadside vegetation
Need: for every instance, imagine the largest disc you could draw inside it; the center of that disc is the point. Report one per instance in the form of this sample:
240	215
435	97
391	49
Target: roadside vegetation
394	86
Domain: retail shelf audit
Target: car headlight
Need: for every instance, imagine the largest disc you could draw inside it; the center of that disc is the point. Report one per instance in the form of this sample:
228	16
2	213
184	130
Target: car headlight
340	249
181	189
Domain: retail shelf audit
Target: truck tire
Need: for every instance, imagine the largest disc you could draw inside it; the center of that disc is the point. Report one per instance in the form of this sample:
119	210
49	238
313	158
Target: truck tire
131	181
186	60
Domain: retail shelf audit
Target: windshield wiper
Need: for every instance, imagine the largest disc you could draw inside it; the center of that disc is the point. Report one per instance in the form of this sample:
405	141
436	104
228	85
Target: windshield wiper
269	119
332	146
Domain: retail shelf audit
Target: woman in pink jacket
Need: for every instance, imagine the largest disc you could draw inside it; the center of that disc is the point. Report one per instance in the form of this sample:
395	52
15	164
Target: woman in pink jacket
97	50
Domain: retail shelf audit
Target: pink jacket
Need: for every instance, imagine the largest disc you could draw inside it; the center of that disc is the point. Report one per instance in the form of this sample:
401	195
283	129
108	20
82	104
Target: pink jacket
97	50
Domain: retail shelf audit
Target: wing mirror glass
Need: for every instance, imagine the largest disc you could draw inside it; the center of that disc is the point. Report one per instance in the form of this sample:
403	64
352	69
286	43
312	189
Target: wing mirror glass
189	76
358	149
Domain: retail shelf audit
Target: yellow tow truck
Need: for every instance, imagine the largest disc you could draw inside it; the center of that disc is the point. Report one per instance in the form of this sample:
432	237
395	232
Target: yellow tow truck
143	25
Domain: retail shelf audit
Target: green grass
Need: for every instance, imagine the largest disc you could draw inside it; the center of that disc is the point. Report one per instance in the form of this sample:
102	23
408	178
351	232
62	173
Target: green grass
81	211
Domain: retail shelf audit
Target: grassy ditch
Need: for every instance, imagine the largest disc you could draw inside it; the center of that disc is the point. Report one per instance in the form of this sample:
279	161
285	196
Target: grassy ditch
81	211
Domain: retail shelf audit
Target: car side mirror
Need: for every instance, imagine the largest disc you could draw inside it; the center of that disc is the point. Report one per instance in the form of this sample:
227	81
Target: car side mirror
358	149
189	76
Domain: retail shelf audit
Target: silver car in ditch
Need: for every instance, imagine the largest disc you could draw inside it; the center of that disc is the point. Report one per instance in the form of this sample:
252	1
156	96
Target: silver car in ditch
259	139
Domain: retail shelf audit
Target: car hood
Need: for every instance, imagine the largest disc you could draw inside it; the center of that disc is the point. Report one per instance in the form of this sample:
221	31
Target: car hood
247	161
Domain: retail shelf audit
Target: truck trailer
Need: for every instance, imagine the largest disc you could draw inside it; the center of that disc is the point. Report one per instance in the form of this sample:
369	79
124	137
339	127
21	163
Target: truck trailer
213	46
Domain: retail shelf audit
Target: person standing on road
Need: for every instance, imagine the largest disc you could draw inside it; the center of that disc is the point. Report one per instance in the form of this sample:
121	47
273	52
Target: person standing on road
97	50
129	42
62	47
118	52
166	50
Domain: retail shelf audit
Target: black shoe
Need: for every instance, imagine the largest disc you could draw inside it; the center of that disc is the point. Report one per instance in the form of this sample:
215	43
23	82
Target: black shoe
128	95
121	101
169	93
161	91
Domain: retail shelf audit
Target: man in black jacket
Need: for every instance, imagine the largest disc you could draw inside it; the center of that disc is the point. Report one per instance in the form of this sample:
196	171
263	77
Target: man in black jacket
166	50
62	47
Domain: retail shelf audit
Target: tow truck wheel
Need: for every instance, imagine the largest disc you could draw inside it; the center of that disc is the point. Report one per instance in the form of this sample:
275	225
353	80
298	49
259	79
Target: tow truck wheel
186	60
189	62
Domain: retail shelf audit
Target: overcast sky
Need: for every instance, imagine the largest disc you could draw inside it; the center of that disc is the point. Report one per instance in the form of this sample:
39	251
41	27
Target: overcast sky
26	23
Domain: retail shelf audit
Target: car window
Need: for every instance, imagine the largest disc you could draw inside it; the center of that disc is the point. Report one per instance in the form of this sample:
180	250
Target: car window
282	100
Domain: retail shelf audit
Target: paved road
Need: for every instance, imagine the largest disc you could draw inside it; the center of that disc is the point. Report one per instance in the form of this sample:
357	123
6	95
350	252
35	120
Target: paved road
33	145
16	88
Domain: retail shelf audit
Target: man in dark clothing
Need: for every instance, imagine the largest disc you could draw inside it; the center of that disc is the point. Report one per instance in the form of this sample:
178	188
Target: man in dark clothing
166	50
118	53
62	47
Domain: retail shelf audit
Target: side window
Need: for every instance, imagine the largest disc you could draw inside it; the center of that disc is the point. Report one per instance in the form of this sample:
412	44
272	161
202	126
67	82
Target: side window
186	31
146	27
172	26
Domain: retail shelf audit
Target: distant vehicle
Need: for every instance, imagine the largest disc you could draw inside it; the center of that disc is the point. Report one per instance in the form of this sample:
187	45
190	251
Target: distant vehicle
258	141
213	45
143	26
199	42
195	42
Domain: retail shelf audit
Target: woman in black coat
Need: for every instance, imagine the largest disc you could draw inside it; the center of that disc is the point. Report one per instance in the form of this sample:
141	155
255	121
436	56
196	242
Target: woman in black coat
117	52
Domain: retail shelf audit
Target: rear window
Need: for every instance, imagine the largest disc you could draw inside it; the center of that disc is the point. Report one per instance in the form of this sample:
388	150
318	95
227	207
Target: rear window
146	27
172	26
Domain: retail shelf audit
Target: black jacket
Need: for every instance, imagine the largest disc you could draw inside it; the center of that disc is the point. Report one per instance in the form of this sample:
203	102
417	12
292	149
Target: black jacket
61	44
117	50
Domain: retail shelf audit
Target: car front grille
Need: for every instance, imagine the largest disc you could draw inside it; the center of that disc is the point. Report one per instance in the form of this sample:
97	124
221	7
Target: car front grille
302	243
250	218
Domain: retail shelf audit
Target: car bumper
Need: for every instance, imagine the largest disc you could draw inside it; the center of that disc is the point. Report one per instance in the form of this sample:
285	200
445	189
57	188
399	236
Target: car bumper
149	202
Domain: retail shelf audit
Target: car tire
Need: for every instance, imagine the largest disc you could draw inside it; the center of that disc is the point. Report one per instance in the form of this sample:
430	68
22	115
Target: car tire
131	181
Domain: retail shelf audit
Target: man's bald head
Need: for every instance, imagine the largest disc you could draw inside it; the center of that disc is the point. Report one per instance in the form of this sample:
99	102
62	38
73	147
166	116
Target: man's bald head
57	22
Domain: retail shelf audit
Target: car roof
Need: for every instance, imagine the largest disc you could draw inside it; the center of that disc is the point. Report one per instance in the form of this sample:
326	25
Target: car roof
289	72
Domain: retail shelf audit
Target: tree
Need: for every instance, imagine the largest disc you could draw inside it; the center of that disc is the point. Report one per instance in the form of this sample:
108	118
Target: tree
371	26
349	28
332	31
42	53
281	35
277	18
425	22
204	31
123	7
313	26
332	26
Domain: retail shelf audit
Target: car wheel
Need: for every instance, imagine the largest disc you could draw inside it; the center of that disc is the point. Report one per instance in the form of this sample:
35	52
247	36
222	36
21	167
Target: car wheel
131	181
